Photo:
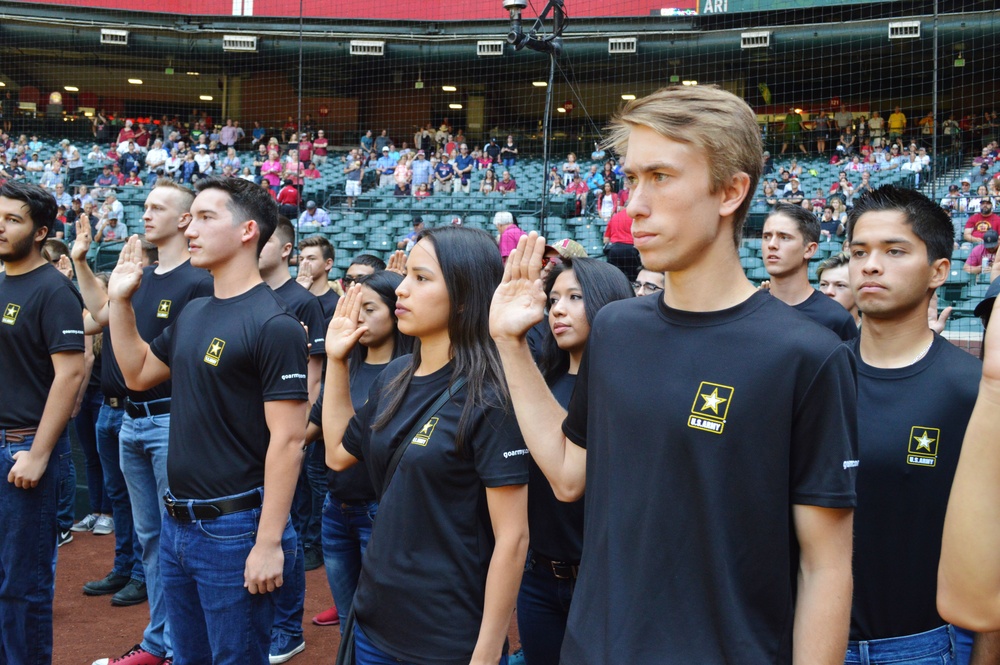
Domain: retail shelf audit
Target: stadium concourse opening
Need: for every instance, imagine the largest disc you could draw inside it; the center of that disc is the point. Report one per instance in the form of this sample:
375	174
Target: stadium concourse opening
435	75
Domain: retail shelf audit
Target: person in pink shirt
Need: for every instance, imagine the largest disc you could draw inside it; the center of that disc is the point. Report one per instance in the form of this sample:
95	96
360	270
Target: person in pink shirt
320	144
271	170
510	232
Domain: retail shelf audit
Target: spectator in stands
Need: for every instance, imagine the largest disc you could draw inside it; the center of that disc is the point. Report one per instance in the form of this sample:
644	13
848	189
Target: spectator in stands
35	165
555	182
60	195
464	165
966	191
608	202
385	167
578	189
981	222
508	152
769	197
232	160
288	199
509	232
483	160
314	215
422	191
791	129
126	134
51	178
897	124
794	195
271	171
421	170
619	246
444	175
291	167
927	130
305	147
492	150
402	176
355	172
829	226
229	135
156	157
410	239
288	129
953	200
790	239
507	184
488	185
133	179
570	168
648	282
204	160
311	172
367	142
382	141
173	164
983	255
320	147
110	229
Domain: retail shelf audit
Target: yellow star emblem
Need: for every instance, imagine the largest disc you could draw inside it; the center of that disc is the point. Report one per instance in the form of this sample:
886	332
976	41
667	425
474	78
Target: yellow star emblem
216	349
426	428
924	441
712	401
11	311
164	306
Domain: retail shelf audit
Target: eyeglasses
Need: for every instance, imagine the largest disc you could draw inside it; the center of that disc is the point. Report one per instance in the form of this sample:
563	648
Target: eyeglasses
648	287
347	280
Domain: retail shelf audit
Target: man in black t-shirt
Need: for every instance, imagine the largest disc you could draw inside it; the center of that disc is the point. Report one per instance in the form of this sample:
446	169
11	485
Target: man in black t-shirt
165	291
42	368
916	392
790	239
308	504
717	526
315	263
238	367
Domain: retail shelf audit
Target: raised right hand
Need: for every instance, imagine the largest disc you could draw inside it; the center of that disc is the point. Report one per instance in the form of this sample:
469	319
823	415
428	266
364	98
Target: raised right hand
127	275
82	243
519	301
345	330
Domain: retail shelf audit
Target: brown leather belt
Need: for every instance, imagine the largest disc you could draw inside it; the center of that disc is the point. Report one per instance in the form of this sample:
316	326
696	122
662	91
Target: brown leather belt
18	434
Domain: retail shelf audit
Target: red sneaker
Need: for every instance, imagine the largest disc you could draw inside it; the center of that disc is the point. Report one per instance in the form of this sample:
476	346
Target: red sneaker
135	656
328	617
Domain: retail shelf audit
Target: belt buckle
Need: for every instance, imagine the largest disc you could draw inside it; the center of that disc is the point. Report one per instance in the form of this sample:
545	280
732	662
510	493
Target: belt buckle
563	571
178	511
115	403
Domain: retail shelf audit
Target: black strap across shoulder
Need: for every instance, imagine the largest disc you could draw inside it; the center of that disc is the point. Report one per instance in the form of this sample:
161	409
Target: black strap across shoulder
397	455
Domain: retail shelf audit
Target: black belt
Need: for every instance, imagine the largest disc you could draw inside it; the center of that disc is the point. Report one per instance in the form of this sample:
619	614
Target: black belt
146	409
560	569
182	511
115	402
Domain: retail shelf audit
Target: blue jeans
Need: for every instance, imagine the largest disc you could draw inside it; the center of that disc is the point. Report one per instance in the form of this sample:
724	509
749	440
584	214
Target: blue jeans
66	500
290	598
509	162
366	653
315	472
143	448
127	552
213	618
542	609
86	433
347	528
934	647
27	546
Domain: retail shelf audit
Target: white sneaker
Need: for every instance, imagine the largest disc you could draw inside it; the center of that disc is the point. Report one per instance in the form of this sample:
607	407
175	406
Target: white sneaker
86	524
104	525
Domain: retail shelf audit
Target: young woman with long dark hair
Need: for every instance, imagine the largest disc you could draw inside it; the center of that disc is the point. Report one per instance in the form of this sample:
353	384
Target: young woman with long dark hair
575	290
440	576
351	500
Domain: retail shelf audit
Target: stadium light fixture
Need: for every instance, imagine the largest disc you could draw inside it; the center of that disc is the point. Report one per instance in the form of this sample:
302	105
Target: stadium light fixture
205	98
71	88
560	109
454	106
2	84
628	98
539	84
449	88
135	81
194	73
690	83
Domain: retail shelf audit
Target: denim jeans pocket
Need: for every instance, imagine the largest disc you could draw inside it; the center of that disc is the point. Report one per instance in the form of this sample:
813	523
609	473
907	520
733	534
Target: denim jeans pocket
372	511
233	527
11	448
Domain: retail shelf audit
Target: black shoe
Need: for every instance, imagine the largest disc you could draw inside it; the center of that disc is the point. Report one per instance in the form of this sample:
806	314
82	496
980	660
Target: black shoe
133	594
111	584
313	559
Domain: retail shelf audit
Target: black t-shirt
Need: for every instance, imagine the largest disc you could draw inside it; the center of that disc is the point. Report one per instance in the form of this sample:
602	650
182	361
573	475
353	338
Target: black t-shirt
911	423
701	433
556	527
42	314
352	485
307	307
328	303
157	304
829	313
227	357
94	383
433	539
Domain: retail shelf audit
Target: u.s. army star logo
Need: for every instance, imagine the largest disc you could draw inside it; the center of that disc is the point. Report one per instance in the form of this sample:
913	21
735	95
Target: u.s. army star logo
711	404
214	353
922	449
10	313
424	435
163	311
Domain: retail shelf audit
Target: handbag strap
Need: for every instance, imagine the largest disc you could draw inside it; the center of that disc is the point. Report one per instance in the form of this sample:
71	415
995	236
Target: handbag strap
424	417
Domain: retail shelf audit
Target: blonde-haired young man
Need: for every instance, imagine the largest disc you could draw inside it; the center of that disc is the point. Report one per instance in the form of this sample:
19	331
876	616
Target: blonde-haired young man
719	505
